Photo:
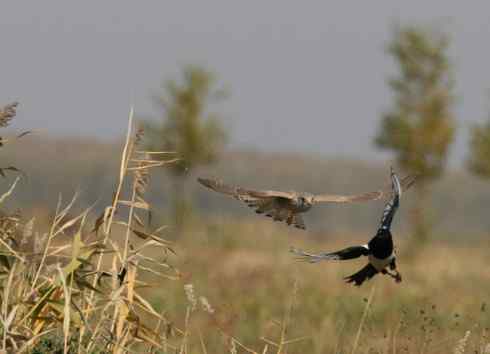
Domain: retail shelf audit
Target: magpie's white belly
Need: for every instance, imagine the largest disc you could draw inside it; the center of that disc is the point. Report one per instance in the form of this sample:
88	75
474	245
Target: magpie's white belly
380	264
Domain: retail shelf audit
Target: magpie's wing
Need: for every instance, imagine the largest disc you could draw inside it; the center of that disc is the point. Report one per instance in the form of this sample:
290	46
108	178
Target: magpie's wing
392	206
408	181
405	184
366	273
346	253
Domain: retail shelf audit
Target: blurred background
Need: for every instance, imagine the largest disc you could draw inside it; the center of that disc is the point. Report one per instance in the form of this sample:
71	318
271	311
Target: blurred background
317	96
310	97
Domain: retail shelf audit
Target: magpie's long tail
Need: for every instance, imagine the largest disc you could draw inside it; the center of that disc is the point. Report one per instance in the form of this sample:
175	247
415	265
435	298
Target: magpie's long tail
361	276
305	256
344	254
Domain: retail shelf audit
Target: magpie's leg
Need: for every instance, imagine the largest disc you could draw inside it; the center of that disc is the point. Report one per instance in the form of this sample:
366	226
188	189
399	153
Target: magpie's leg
393	264
397	276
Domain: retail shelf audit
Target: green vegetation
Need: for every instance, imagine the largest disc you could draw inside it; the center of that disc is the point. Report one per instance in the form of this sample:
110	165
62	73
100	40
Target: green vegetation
420	127
479	159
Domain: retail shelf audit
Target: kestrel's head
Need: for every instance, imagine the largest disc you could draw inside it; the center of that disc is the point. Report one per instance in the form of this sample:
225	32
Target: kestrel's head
307	198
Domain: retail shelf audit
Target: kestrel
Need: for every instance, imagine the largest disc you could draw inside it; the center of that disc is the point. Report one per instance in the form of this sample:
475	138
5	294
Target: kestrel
379	249
287	206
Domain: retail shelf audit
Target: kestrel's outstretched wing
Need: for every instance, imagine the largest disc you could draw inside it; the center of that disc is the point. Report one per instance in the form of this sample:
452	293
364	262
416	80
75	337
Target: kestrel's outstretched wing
266	193
270	203
219	186
274	204
387	192
237	192
332	198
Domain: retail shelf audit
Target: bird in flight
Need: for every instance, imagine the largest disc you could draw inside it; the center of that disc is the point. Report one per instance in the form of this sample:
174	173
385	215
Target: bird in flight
287	206
379	250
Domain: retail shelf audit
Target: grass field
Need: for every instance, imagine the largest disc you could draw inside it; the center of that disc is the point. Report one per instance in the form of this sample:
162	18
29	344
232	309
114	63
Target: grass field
244	270
76	280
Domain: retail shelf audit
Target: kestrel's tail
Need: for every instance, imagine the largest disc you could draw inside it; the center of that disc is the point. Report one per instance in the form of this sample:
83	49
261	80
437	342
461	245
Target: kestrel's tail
261	206
297	221
278	214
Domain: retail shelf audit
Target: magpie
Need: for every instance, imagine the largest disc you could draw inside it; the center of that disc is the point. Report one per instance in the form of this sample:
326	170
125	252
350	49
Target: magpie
379	250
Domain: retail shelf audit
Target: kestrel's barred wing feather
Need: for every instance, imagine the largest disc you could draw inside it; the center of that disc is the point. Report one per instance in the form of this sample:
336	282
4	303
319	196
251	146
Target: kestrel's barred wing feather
332	198
240	192
405	184
219	186
264	202
266	193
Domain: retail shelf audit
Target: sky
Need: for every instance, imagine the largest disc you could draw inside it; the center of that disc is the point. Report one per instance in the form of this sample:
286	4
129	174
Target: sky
303	76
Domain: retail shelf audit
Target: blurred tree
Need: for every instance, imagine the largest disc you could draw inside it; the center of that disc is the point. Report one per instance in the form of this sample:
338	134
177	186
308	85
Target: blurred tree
188	129
479	159
420	127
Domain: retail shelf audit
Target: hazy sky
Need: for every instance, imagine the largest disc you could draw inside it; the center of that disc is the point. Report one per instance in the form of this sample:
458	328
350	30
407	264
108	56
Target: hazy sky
304	76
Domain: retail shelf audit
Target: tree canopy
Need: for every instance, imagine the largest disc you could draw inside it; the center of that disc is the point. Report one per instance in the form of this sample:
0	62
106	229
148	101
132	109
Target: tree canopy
194	134
420	127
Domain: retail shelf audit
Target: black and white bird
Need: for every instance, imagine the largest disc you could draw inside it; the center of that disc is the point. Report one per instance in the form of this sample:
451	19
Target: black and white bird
379	250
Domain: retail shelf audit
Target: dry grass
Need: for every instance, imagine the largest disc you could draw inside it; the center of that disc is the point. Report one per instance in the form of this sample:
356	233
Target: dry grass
86	291
244	270
7	113
117	286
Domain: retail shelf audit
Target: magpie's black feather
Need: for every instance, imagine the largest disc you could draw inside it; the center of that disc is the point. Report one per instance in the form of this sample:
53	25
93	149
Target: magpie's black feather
348	253
364	274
